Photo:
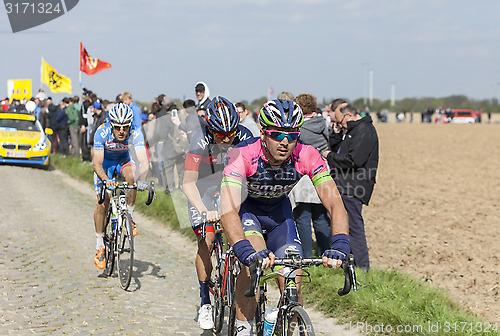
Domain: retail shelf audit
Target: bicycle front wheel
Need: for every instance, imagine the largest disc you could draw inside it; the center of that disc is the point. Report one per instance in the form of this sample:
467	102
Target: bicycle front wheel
125	250
109	246
231	320
218	310
298	323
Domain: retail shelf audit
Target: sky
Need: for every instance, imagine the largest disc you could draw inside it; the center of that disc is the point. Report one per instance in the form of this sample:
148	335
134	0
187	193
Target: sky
424	48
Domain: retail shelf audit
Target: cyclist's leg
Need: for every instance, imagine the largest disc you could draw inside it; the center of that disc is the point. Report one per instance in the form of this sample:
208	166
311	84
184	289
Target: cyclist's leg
282	236
203	261
245	307
100	217
100	212
126	168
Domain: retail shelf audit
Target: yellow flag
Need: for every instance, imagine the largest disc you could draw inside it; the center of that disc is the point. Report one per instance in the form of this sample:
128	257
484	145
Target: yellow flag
19	89
55	81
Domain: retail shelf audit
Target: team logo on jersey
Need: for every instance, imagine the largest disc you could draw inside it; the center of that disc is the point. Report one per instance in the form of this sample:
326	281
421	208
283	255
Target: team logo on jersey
317	170
196	159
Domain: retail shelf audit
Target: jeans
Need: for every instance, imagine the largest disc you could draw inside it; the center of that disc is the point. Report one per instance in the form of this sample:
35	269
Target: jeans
303	214
357	236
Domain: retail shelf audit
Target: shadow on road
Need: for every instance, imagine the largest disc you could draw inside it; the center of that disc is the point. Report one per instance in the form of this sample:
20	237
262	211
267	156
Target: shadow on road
141	269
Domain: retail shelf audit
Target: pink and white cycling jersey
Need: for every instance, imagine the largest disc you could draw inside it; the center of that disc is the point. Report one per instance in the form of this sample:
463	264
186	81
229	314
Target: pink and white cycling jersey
247	166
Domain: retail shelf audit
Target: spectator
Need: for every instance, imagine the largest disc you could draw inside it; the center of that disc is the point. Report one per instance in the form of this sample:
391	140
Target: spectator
41	95
98	118
53	112
308	206
73	112
335	133
44	114
174	145
354	168
247	122
148	130
62	127
126	98
192	123
203	96
83	123
286	95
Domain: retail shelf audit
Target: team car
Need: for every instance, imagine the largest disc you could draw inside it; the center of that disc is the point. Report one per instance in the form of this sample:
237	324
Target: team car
23	140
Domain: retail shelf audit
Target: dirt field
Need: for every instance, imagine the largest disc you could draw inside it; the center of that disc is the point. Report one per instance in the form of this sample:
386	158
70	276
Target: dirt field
435	211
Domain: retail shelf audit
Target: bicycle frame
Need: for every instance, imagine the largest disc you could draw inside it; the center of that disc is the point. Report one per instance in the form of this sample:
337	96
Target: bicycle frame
118	238
224	274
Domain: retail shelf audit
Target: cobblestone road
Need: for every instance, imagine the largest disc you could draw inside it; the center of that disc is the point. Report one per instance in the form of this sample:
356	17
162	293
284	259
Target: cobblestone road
50	286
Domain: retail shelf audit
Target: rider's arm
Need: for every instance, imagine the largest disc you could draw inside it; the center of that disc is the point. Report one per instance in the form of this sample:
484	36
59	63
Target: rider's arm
191	190
230	207
140	150
143	164
330	197
98	159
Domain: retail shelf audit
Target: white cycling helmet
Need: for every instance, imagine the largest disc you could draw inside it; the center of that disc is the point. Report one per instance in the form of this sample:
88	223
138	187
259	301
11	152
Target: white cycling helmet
121	114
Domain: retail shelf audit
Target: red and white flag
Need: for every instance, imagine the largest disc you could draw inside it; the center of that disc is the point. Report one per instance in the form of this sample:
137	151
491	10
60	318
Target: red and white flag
91	65
270	92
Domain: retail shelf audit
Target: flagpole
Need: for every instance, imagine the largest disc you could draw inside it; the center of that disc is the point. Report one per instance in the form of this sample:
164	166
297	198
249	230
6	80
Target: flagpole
41	74
80	78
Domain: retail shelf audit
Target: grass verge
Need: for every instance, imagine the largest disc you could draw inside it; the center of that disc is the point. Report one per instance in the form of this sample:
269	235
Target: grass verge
387	302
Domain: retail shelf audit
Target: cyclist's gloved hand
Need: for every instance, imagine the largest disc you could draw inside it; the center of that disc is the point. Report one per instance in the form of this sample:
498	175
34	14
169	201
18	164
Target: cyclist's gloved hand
142	185
262	254
340	247
110	184
244	250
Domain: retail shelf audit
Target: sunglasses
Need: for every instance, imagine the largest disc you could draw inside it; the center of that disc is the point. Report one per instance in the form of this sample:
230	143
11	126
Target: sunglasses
118	127
224	135
277	135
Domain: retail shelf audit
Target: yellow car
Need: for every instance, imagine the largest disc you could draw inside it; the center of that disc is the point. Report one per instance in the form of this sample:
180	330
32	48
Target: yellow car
22	140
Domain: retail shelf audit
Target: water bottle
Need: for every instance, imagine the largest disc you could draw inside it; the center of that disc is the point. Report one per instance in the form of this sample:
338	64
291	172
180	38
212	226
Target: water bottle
270	320
114	220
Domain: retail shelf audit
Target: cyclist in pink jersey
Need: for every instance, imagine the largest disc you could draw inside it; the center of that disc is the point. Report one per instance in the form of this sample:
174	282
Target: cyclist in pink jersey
256	212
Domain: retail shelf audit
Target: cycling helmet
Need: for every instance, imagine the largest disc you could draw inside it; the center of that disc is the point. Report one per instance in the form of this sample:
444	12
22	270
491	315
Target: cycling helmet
121	114
281	113
222	116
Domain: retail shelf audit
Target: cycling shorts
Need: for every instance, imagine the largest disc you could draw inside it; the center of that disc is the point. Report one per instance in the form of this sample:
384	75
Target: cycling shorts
277	228
195	216
113	168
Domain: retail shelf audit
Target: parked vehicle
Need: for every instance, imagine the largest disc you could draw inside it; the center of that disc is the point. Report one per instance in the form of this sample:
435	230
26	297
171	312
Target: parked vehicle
463	117
22	140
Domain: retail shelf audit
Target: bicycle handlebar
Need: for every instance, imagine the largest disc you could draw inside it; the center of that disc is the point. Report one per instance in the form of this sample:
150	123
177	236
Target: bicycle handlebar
123	186
297	263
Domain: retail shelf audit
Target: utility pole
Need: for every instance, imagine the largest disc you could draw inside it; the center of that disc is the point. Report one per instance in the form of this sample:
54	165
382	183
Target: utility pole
393	94
365	64
371	87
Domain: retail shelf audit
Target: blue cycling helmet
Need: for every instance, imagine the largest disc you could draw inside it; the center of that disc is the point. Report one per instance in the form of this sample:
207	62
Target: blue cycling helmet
121	114
281	113
222	116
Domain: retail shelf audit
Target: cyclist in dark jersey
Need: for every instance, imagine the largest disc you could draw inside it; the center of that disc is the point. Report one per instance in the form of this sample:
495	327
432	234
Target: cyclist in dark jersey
258	176
202	178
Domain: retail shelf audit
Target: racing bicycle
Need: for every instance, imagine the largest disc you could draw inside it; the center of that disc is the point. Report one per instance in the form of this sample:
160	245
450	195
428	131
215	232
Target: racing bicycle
292	318
118	236
223	278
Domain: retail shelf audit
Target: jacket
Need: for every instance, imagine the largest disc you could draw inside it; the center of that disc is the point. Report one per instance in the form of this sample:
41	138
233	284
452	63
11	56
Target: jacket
315	133
354	165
